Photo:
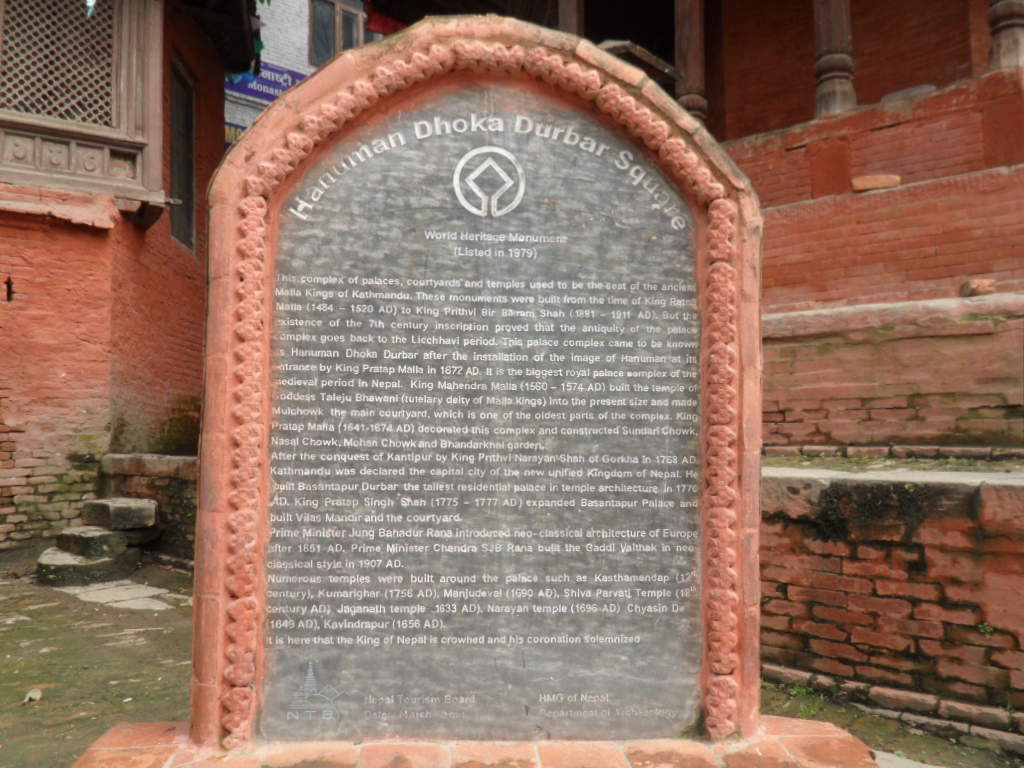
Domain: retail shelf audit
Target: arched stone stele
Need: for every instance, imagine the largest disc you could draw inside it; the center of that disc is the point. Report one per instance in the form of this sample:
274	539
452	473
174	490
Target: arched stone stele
249	196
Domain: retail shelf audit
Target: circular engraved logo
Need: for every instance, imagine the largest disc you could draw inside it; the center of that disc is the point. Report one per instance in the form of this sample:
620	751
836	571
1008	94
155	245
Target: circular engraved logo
489	181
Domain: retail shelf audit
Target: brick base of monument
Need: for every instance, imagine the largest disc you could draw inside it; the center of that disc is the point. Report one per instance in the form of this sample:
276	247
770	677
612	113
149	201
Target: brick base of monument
781	743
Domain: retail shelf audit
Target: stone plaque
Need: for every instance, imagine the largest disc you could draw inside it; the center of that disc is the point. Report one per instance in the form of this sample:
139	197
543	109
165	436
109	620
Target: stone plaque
480	449
483	460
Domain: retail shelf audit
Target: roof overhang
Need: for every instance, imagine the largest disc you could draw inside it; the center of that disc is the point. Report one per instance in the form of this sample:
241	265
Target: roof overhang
230	25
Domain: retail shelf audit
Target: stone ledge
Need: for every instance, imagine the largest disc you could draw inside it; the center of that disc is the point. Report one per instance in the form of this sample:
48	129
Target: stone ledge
966	481
795	743
898	451
90	210
957	316
945	717
796	492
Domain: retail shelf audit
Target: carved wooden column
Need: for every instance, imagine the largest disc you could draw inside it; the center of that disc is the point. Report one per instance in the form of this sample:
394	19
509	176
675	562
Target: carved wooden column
833	65
1006	20
570	16
690	57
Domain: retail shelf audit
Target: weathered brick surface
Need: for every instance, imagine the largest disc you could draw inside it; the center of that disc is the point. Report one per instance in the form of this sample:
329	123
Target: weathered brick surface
919	138
905	379
985	716
897	699
950	623
931	372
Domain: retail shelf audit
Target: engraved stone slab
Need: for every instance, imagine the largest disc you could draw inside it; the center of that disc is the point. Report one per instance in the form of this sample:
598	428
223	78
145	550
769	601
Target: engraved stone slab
483	459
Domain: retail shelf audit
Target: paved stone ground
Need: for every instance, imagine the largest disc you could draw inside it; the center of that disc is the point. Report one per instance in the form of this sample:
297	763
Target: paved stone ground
128	594
888	760
119	652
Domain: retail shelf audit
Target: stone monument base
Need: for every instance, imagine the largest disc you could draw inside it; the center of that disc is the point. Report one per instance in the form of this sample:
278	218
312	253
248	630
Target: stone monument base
782	743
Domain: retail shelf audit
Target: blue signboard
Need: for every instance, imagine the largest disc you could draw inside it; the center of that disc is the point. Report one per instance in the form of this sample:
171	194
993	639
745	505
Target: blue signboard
271	82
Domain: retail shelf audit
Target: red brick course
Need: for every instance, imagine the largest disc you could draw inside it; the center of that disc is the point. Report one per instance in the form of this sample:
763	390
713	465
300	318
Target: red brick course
929	372
920	138
951	624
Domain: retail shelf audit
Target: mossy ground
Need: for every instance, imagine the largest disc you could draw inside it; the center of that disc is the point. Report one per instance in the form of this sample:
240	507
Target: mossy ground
95	666
883	733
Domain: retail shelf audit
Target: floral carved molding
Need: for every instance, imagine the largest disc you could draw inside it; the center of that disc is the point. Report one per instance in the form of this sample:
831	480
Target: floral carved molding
500	48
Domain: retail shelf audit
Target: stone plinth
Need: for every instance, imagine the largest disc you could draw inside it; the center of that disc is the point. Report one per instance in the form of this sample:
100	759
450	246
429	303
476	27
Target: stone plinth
782	742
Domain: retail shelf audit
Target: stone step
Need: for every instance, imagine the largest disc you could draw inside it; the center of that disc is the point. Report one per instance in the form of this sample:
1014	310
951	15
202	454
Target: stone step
120	514
136	537
91	541
57	568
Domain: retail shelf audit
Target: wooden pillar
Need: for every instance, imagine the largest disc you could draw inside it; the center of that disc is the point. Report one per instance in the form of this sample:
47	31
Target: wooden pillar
1006	21
690	57
833	64
570	16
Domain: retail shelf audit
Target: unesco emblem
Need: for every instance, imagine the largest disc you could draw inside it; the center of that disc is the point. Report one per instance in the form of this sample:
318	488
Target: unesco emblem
489	181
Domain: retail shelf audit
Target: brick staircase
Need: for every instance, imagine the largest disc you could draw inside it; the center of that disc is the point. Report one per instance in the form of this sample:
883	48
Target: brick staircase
107	547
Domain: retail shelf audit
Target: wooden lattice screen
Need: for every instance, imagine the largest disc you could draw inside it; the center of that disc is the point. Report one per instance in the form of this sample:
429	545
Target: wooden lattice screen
57	62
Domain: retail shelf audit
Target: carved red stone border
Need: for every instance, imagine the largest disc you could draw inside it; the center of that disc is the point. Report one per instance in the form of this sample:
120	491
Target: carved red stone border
233	495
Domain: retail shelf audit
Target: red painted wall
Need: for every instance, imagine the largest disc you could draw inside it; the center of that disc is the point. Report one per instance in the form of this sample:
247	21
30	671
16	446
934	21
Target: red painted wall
955	215
767	67
159	284
964	128
921	376
55	373
919	242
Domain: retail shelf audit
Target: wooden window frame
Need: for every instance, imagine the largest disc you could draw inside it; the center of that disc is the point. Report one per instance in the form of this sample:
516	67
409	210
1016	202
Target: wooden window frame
98	154
179	71
340	7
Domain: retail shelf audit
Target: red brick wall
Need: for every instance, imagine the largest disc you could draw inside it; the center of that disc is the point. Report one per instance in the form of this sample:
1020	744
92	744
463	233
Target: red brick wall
906	580
909	43
919	242
103	338
762	56
767	60
932	372
956	214
968	127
